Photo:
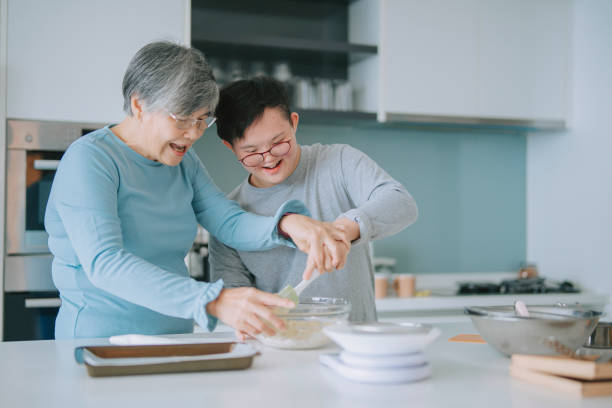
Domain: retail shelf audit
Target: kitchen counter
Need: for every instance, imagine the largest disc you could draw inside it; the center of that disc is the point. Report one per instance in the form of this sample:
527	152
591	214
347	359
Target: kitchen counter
439	307
44	374
444	305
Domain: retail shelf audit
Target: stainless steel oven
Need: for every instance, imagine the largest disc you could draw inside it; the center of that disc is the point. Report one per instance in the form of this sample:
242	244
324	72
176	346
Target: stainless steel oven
34	149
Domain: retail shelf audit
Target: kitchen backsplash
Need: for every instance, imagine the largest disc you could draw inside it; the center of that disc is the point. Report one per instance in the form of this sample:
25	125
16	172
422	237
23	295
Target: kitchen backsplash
469	186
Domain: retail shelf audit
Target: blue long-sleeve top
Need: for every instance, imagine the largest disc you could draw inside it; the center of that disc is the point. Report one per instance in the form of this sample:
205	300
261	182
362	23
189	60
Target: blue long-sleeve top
119	228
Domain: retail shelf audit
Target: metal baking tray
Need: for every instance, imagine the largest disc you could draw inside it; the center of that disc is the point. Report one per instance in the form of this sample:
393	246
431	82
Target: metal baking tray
103	361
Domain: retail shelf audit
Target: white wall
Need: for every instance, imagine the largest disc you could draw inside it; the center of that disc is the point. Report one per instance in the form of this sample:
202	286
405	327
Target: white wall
67	57
3	42
569	174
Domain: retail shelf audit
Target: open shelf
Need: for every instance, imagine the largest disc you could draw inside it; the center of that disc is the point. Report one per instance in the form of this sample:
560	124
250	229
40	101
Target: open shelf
305	40
307	58
311	36
284	44
316	116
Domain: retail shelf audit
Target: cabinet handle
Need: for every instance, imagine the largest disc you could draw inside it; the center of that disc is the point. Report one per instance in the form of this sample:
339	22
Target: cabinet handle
39	303
46	164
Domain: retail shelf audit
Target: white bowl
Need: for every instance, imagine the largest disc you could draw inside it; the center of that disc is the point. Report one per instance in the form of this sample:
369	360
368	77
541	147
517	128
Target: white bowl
382	338
393	375
386	361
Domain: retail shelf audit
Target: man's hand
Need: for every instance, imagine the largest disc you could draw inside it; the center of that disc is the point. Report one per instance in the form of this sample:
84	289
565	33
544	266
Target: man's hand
326	245
350	228
245	309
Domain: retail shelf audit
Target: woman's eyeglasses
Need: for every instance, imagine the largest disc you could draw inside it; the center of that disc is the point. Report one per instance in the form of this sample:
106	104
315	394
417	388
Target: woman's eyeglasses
255	159
184	124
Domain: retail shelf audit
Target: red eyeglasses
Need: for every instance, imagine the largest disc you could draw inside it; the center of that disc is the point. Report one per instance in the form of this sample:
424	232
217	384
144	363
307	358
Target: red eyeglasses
255	159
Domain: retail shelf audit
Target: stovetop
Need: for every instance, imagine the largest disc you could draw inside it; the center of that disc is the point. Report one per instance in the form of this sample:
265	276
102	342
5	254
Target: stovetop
527	285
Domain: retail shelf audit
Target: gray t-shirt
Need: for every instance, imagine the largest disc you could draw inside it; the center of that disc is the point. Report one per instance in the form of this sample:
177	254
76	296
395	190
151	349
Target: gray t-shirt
333	181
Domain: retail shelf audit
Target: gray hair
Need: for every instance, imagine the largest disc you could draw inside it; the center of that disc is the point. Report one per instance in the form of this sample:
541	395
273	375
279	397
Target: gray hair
165	75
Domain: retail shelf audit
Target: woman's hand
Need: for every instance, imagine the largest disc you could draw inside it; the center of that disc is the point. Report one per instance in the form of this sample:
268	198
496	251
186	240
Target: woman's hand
244	309
326	245
241	336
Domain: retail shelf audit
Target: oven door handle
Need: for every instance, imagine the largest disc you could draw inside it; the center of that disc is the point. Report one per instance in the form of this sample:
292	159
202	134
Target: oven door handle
46	164
40	303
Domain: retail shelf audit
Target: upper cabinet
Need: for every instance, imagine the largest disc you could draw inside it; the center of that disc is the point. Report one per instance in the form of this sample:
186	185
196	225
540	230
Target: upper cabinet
494	62
66	58
460	61
303	43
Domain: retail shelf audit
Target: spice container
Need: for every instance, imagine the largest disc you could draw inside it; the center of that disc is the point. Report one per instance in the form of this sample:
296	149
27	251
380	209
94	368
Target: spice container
404	285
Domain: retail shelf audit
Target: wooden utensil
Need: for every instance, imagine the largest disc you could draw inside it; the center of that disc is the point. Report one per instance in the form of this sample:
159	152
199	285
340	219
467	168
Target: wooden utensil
467	338
582	388
568	367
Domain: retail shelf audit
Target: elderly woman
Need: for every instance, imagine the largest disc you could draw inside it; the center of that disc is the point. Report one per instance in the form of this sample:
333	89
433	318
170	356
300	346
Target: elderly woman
124	208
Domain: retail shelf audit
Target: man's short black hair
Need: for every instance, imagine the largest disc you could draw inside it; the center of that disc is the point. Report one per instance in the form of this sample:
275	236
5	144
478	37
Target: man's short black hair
243	102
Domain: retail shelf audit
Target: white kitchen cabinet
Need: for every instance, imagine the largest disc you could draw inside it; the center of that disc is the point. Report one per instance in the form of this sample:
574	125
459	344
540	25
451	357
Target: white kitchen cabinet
464	61
66	58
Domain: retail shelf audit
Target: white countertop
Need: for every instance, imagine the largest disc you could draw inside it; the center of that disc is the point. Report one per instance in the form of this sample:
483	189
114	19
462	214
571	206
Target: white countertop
450	302
45	374
443	300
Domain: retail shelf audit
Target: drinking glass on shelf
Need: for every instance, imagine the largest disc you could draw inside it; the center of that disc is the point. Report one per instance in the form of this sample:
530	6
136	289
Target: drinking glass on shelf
343	95
257	68
324	94
303	93
282	72
217	70
235	70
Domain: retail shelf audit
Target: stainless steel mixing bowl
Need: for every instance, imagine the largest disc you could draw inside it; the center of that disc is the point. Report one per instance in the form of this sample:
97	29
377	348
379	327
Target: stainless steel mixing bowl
601	337
546	330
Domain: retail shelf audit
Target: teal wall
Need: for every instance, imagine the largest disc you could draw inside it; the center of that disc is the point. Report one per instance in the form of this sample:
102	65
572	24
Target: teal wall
469	186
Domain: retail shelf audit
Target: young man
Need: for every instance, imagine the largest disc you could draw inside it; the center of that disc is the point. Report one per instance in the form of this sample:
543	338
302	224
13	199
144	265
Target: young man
338	184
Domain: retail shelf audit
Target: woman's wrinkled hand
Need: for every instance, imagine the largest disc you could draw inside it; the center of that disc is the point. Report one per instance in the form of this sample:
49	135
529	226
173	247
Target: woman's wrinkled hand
241	336
248	309
327	246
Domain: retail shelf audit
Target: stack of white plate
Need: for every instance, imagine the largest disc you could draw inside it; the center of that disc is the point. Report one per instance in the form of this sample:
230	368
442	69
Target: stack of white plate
380	352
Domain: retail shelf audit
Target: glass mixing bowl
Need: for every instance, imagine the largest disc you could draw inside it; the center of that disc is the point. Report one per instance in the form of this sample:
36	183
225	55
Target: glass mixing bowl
306	321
